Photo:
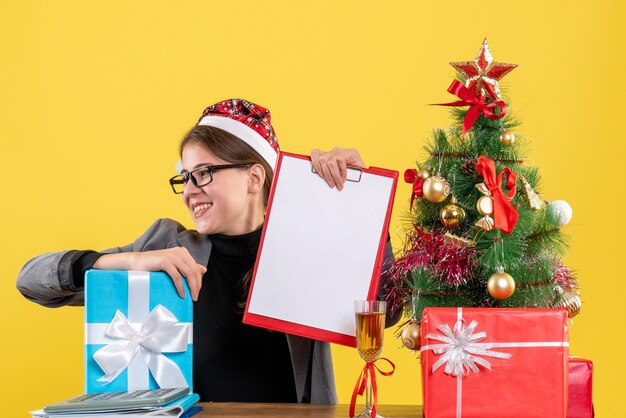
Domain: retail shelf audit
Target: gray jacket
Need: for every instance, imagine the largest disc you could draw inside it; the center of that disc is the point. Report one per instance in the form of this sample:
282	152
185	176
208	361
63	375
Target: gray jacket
47	280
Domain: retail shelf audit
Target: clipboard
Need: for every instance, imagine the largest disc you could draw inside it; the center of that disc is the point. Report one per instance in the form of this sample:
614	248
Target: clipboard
321	249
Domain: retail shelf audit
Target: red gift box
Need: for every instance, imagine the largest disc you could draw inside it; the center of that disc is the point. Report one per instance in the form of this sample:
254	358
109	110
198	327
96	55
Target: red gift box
494	363
579	404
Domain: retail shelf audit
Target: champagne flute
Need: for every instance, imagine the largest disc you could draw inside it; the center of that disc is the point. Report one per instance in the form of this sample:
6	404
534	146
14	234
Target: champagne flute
370	329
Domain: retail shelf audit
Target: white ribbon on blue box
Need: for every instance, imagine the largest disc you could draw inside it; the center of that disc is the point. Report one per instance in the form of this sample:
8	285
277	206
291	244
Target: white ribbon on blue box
138	332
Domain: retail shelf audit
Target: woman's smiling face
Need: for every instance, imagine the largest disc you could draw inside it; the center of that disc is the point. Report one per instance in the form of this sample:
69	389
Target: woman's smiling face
224	206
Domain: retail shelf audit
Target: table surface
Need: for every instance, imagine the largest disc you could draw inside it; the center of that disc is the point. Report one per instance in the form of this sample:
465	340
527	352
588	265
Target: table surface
242	409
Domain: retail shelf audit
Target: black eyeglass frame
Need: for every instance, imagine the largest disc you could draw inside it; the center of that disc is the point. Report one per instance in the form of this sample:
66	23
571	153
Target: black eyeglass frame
185	177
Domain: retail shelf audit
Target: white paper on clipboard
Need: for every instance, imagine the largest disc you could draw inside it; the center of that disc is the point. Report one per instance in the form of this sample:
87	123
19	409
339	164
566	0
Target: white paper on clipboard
321	249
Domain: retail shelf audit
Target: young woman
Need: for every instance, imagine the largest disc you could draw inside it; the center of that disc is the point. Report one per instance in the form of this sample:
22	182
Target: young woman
227	165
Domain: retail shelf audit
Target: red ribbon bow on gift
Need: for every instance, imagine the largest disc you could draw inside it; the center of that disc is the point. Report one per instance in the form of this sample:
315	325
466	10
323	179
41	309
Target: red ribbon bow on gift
361	383
411	176
504	213
477	105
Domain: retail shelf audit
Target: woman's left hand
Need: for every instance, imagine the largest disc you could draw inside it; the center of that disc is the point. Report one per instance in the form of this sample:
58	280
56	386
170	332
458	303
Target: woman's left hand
333	165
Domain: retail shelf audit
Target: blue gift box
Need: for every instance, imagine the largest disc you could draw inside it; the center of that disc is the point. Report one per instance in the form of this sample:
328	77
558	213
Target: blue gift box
138	331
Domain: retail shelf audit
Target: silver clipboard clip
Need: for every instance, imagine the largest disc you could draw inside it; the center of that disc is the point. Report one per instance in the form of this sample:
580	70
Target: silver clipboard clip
354	173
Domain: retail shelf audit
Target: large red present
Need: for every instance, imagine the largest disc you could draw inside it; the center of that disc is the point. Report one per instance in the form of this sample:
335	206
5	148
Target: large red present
579	404
494	363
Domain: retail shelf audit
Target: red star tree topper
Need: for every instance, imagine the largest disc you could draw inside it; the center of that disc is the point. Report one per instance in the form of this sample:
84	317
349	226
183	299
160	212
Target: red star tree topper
483	73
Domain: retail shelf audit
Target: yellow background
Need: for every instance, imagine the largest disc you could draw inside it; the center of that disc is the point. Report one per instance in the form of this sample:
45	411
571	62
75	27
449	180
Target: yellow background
94	97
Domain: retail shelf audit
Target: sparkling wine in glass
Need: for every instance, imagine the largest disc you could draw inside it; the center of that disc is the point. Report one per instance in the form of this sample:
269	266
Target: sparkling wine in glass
370	330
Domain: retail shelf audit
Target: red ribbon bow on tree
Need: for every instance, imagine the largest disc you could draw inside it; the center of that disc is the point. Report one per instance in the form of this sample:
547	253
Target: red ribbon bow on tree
411	176
361	383
504	213
477	104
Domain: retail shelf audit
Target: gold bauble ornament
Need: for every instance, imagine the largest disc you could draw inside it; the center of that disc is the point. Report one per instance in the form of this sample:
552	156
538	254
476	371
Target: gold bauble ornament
570	301
501	285
425	173
506	137
436	189
452	215
411	336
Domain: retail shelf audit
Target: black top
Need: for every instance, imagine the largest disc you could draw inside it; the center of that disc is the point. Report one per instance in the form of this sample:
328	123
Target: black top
233	361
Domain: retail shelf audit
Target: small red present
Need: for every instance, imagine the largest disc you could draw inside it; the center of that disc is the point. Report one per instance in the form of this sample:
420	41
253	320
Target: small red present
494	363
579	404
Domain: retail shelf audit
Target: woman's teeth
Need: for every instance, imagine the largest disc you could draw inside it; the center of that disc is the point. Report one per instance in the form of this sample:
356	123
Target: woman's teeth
203	206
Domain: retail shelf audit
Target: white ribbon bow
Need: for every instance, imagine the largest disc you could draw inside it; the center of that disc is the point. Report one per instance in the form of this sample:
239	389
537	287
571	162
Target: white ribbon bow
459	348
159	333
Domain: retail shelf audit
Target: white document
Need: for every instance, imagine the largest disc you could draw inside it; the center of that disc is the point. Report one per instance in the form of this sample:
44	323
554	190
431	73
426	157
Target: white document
321	250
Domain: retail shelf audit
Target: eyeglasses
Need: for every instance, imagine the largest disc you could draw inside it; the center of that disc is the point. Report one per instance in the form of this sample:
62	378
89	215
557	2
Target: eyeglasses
200	176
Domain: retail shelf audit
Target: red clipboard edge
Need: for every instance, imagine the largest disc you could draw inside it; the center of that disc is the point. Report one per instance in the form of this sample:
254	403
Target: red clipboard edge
304	330
298	329
373	292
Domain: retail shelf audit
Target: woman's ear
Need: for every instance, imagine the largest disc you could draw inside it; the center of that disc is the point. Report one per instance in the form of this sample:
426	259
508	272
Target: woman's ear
256	178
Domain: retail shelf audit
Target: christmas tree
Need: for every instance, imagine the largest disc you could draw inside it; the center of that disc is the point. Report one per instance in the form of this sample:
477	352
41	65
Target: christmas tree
479	232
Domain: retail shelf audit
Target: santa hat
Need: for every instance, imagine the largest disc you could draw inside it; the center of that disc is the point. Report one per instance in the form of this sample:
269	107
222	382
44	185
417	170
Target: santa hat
247	121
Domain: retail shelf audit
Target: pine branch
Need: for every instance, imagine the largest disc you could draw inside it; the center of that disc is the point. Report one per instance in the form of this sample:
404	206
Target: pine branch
540	235
467	156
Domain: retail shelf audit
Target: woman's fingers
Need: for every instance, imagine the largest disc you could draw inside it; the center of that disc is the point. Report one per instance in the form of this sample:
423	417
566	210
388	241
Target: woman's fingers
192	271
315	160
333	165
177	263
177	279
194	278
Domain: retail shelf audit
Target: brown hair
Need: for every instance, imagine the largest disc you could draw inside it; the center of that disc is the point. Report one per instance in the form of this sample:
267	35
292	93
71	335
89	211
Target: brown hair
230	148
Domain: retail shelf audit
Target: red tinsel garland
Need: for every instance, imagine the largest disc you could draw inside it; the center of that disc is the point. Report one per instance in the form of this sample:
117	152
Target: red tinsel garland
452	265
564	276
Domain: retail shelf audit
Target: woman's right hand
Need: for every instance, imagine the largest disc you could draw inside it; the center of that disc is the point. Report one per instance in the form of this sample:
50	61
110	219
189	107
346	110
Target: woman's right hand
333	165
176	261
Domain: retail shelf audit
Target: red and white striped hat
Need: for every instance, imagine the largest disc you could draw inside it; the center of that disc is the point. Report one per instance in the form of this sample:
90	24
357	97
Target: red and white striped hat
247	121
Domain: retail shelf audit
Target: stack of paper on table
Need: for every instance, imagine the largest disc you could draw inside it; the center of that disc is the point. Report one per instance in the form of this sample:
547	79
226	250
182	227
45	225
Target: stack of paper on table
180	408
